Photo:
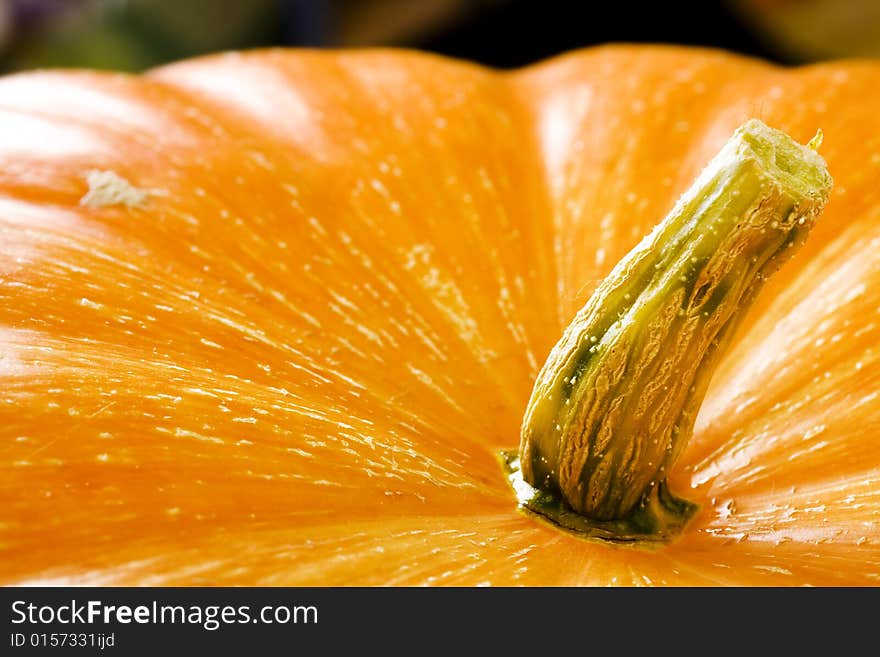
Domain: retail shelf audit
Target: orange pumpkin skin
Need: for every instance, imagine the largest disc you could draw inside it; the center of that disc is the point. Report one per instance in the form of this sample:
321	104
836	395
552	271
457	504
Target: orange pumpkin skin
295	363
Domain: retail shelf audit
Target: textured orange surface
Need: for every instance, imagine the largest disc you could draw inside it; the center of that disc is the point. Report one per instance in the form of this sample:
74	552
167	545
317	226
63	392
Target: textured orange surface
295	362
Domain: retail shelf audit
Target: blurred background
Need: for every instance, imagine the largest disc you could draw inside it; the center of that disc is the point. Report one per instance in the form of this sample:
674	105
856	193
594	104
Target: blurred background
133	35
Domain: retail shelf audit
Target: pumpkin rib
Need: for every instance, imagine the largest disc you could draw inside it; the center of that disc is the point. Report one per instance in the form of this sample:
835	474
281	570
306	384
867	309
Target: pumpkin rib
595	175
354	443
356	71
418	259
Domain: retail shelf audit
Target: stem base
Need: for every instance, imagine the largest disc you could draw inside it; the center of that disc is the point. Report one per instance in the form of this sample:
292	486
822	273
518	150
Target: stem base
659	519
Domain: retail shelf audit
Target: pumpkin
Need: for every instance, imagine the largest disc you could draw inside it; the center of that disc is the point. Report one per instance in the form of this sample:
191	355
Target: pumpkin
269	318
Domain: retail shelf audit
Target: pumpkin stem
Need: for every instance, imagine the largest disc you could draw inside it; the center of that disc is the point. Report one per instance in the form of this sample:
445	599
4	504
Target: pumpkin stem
615	403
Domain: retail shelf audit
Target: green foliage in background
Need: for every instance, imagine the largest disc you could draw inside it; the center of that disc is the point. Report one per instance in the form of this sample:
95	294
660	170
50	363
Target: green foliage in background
138	34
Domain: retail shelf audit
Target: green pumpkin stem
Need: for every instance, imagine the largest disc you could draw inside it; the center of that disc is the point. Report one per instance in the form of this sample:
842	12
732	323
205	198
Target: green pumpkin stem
615	404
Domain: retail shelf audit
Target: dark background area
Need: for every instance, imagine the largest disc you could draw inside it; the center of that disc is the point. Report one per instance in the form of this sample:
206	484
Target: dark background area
136	34
523	31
